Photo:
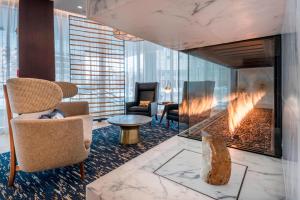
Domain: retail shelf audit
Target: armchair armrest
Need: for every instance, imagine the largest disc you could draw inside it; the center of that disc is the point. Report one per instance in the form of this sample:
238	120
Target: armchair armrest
173	106
43	144
130	104
74	108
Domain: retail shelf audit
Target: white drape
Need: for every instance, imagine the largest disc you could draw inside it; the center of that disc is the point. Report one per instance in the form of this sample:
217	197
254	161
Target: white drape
148	62
8	51
61	37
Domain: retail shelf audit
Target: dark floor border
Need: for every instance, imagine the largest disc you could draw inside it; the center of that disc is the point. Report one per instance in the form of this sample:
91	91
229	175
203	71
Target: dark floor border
155	172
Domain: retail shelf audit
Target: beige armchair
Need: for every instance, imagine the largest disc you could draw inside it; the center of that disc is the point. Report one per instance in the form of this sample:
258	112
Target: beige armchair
42	144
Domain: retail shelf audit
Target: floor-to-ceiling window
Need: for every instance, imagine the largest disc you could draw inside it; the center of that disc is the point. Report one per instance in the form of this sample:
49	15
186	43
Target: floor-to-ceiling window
144	61
148	62
62	54
8	51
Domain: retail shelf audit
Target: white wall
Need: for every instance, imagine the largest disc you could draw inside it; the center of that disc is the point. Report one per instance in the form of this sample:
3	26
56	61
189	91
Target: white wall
251	78
291	99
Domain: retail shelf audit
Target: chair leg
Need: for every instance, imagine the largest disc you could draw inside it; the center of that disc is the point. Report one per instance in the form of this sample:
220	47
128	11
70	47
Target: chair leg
81	170
156	117
168	123
13	163
12	170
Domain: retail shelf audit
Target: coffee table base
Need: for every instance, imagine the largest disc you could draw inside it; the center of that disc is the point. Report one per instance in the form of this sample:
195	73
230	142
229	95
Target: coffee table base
130	134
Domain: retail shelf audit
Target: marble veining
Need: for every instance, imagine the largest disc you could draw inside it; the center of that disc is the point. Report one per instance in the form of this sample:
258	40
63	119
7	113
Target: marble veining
136	179
181	24
291	99
185	168
199	6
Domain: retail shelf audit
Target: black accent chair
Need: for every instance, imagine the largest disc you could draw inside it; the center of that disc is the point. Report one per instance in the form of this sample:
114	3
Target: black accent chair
191	90
144	92
172	111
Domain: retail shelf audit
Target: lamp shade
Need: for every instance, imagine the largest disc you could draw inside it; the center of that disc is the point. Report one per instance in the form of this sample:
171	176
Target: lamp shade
168	89
125	36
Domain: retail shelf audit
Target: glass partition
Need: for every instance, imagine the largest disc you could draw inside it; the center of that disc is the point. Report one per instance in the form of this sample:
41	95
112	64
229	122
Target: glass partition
229	91
205	88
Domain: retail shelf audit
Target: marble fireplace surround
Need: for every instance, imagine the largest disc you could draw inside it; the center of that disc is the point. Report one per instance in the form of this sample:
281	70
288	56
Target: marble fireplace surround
136	179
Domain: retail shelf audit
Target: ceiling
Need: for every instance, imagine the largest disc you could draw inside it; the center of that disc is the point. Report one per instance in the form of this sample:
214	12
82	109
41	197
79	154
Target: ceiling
244	54
186	24
71	6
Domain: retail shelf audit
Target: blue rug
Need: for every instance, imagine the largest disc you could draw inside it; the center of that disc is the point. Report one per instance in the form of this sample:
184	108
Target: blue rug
65	183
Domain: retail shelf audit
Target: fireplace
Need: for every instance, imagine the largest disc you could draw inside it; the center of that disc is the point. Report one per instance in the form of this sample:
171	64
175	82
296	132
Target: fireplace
243	107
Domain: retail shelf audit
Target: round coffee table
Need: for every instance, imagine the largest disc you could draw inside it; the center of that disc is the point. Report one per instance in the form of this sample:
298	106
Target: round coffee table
130	127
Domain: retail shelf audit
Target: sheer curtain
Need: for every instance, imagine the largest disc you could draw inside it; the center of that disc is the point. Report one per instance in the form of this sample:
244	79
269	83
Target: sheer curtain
8	51
62	53
148	62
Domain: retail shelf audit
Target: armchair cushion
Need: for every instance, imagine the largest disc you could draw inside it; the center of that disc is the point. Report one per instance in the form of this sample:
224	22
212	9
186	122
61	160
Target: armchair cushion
74	108
173	112
138	109
130	104
147	96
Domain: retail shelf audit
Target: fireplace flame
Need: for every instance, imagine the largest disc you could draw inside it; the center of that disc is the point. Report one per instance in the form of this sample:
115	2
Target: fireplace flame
196	108
242	104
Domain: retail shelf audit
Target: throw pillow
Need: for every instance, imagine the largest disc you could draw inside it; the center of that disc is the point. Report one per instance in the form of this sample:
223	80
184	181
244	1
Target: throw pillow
144	103
36	115
55	114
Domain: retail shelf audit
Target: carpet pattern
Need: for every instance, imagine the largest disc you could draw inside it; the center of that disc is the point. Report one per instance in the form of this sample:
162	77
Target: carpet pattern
65	183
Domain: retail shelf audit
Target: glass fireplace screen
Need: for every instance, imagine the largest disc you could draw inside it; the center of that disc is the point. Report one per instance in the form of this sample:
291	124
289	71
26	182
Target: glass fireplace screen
229	91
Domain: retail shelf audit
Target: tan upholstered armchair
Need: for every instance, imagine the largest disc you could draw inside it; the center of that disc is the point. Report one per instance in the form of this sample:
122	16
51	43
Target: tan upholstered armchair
42	144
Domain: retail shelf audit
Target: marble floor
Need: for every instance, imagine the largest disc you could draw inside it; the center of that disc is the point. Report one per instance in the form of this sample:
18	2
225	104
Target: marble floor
161	173
185	167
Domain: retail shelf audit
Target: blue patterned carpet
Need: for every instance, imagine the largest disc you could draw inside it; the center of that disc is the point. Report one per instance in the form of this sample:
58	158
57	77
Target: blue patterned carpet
65	183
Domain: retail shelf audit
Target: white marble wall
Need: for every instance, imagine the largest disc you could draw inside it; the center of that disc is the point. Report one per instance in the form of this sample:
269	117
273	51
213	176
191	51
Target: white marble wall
251	78
187	24
291	99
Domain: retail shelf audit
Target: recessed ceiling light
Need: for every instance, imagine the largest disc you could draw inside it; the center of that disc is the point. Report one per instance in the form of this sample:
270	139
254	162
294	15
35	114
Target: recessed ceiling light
79	7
